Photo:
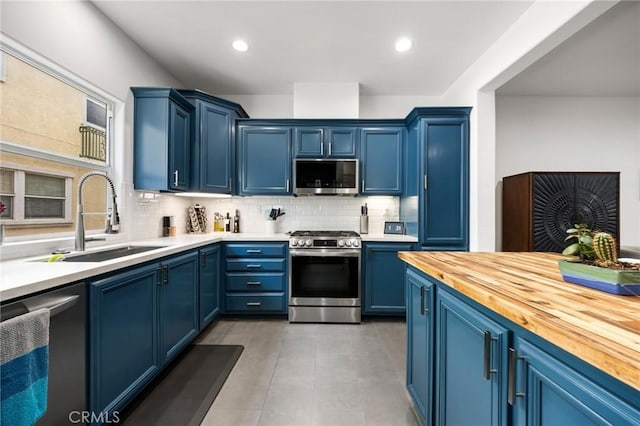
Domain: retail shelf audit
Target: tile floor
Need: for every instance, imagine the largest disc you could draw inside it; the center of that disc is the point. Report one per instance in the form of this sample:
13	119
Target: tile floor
312	374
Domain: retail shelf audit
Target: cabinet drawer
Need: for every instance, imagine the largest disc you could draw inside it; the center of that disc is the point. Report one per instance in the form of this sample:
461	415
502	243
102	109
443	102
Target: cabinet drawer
255	282
255	265
250	250
255	302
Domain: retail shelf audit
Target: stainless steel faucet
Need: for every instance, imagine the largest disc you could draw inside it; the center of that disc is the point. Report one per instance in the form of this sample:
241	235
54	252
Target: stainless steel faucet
113	219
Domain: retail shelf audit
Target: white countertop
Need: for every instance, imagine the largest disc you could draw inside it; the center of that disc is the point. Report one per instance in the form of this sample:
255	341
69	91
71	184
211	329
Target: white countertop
21	277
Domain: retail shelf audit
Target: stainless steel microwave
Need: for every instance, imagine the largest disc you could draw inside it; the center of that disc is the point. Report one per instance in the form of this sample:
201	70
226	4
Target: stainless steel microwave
325	176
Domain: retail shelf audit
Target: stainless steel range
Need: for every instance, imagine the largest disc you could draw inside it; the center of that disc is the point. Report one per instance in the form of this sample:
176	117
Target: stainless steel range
324	276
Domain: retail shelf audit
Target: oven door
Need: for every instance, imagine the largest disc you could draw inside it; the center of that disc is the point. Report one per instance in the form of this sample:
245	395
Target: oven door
320	277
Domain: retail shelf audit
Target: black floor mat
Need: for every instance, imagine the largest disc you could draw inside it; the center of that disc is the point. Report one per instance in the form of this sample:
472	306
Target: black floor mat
183	393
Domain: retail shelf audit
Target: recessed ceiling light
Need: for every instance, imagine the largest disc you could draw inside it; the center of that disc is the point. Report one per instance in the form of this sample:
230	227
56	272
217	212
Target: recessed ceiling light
403	44
240	45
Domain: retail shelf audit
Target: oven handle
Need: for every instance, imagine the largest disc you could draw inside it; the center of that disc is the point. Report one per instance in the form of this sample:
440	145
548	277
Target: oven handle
324	253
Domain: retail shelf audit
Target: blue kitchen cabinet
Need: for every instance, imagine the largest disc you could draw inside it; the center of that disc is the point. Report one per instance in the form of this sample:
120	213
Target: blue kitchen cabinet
255	278
178	304
213	160
209	284
381	160
161	139
420	329
138	321
471	361
384	286
435	200
547	392
325	142
123	336
265	160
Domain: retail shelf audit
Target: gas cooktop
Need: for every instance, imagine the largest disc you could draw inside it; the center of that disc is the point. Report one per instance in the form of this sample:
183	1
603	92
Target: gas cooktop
334	234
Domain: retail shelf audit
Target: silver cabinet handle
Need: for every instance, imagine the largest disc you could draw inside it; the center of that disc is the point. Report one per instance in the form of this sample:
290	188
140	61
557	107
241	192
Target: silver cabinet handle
425	181
288	185
487	356
421	300
175	178
253	283
254	304
254	266
511	378
425	310
329	149
254	251
230	183
363	185
321	149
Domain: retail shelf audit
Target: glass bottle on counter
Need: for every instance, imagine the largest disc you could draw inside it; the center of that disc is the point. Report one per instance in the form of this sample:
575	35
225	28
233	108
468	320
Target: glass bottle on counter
227	223
236	222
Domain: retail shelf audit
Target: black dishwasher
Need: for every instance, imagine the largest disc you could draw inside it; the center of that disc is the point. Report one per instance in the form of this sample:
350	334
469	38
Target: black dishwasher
66	395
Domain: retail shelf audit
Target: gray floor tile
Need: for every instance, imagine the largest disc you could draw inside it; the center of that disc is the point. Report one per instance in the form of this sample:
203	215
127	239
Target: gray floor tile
320	374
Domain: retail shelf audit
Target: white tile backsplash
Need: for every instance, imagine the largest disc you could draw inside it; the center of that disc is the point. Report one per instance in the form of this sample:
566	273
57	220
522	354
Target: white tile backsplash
318	213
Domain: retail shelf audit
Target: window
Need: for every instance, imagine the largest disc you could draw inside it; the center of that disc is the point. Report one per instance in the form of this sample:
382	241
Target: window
33	198
55	127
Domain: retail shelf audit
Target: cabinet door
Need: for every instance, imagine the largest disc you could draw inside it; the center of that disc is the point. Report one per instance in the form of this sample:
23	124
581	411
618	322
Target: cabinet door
341	142
381	161
420	296
445	185
178	309
471	357
547	392
384	286
209	285
309	142
123	336
265	161
179	143
216	159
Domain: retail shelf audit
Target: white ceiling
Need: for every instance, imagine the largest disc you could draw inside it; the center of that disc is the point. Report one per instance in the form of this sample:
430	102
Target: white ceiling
314	41
602	59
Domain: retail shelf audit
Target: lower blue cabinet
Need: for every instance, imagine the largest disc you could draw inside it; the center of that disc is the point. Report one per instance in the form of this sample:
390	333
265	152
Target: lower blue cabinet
384	286
123	336
209	284
138	321
420	296
471	356
548	392
178	304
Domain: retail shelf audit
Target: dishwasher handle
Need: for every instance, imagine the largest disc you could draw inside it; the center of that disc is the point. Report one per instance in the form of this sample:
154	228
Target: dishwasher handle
55	306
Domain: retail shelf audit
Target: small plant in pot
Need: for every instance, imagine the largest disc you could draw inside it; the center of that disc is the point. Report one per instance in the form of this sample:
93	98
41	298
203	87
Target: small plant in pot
597	265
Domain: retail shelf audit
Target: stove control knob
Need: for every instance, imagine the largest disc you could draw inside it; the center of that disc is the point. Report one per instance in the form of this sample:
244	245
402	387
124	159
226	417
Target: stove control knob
294	242
356	243
348	243
340	243
308	243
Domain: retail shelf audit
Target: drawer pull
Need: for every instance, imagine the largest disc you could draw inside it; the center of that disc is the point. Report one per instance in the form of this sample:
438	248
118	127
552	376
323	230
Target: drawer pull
512	393
253	283
487	370
254	251
254	304
254	266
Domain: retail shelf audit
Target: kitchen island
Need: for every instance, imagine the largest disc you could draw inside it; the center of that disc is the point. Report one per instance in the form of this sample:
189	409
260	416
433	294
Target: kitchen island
547	347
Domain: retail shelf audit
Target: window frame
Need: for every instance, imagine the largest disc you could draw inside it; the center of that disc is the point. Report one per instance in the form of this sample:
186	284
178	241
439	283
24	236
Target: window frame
19	195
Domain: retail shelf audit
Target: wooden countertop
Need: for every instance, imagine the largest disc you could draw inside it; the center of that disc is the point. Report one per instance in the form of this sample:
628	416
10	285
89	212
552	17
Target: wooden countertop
600	328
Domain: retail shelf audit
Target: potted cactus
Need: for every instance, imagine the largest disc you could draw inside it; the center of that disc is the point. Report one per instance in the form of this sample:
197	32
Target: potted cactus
597	265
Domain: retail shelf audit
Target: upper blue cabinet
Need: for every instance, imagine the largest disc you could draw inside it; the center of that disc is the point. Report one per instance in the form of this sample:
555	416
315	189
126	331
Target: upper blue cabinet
435	201
381	160
325	142
213	161
265	160
162	139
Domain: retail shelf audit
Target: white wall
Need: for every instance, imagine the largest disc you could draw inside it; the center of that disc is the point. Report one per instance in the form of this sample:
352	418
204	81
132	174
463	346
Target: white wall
541	28
572	134
79	38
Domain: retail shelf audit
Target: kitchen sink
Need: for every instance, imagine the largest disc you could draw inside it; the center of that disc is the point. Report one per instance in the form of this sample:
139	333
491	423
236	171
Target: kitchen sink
102	255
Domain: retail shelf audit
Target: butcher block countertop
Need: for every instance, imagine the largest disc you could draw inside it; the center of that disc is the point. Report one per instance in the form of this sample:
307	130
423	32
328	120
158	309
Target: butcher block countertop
600	328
